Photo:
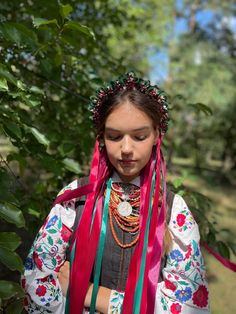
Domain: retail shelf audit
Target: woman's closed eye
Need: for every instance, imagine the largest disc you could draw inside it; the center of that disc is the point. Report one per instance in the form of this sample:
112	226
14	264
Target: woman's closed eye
112	137
140	137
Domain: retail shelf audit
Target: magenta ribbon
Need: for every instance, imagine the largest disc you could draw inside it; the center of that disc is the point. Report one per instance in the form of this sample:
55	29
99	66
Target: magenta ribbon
87	236
134	267
154	268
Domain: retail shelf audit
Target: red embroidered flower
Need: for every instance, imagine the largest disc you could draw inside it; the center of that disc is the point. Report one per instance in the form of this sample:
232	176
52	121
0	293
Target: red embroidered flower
181	219
175	308
189	252
37	260
41	291
65	233
170	285
53	281
200	297
44	279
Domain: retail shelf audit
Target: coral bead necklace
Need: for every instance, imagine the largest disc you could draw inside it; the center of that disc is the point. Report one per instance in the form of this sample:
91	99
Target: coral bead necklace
124	210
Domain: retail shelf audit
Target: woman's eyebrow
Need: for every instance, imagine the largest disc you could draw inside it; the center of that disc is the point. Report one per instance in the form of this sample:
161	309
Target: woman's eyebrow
144	128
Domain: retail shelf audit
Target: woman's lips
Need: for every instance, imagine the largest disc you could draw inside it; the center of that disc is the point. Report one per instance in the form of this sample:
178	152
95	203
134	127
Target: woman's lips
128	162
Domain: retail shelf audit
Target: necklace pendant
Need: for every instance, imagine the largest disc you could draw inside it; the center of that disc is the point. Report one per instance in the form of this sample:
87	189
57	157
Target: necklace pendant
125	209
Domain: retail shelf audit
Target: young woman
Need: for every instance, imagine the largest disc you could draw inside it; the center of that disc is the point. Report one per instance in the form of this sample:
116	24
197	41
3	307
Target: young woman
133	247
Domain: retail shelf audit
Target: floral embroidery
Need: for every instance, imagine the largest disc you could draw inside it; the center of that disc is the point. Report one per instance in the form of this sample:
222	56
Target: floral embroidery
184	283
170	285
28	263
175	308
41	290
115	302
52	222
184	220
176	255
200	297
65	233
180	220
184	294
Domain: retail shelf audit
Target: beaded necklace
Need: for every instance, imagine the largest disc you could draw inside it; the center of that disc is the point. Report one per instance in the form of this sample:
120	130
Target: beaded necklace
124	208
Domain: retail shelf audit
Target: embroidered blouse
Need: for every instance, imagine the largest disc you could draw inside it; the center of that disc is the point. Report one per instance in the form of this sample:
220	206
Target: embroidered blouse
183	289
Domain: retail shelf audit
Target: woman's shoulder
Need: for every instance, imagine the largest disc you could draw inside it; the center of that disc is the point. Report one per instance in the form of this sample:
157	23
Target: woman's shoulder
74	185
182	222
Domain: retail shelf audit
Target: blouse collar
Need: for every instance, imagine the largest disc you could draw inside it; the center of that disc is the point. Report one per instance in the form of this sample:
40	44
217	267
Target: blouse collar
116	178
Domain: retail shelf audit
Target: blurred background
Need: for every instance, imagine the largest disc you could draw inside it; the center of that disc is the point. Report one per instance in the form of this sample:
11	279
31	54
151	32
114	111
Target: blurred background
53	57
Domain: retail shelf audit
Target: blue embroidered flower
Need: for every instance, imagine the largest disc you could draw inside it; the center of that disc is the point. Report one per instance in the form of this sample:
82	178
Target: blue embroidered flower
176	255
184	294
52	221
28	263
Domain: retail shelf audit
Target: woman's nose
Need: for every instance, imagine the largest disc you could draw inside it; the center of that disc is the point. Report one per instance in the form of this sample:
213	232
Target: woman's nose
126	145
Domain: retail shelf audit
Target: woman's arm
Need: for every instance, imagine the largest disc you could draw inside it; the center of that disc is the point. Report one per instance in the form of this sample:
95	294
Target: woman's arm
184	289
103	296
47	255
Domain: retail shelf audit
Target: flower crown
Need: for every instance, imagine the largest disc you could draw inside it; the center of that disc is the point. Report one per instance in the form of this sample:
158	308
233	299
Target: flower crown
130	81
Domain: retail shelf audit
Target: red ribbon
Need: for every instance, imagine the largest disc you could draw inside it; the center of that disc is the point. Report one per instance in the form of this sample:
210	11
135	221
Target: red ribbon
227	263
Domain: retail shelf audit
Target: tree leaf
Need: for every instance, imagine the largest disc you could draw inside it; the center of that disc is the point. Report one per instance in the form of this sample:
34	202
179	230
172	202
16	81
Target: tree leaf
223	249
11	259
9	289
38	21
72	165
19	34
65	10
12	129
12	214
7	75
39	136
9	240
80	28
3	85
15	307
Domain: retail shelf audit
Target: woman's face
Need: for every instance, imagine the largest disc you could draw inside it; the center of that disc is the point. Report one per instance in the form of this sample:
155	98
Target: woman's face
129	137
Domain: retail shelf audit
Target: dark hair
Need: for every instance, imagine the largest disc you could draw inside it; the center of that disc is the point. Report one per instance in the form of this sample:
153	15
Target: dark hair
141	101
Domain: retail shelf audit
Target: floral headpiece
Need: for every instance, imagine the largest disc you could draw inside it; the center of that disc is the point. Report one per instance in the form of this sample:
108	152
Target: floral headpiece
129	81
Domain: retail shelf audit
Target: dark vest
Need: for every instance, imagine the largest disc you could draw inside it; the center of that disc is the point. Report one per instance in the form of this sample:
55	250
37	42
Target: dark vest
116	260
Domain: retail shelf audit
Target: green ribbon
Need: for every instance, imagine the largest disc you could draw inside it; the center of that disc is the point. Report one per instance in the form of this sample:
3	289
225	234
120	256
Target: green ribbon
98	262
139	286
72	256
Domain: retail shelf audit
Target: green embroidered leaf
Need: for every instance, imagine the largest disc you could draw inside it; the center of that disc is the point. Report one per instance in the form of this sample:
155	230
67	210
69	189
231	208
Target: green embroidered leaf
187	266
54	262
195	246
183	283
59	241
50	240
39	249
59	224
52	231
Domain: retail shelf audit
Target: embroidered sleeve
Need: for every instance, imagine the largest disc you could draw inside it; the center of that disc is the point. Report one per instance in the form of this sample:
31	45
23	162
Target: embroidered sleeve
115	302
47	254
184	289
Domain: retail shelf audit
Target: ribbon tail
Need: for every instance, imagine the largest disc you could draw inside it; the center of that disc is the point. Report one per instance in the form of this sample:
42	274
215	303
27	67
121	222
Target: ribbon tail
227	263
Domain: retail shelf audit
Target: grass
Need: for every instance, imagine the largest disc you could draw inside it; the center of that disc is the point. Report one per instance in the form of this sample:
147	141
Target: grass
222	281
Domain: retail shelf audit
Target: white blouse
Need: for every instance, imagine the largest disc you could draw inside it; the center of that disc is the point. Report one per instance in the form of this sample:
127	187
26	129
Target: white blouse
182	291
